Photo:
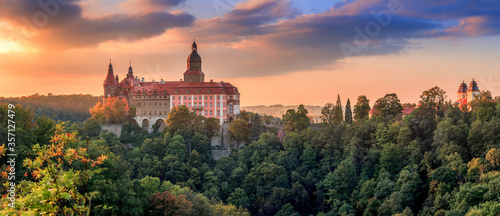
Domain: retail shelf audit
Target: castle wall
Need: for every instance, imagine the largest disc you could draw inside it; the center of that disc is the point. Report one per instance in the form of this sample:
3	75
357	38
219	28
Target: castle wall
115	128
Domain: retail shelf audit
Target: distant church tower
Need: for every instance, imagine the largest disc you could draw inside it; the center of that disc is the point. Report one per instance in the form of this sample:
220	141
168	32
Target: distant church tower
472	91
110	83
193	72
462	91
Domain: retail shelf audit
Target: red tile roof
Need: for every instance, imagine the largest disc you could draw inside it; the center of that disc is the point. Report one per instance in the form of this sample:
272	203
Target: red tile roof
110	79
407	111
178	87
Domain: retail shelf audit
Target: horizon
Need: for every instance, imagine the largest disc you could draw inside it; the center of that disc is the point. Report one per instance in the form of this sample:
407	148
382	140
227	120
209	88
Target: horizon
275	52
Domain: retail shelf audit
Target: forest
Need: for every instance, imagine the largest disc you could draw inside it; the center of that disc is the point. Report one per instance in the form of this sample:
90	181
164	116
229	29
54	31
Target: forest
439	160
59	107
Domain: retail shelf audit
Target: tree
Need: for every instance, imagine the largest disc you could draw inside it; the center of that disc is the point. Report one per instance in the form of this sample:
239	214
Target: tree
348	112
177	119
388	105
338	117
362	108
164	203
435	98
56	189
211	127
239	130
327	114
111	111
296	120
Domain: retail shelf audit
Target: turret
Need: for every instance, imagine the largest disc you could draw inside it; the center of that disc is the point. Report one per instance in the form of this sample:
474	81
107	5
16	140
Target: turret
130	71
473	91
462	91
110	83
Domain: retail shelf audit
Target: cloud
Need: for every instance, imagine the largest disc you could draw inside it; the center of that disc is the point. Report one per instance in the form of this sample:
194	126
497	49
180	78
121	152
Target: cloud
61	24
264	37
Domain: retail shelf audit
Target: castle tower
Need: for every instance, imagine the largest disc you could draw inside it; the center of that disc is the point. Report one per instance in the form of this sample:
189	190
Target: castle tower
462	91
110	83
130	71
472	91
193	72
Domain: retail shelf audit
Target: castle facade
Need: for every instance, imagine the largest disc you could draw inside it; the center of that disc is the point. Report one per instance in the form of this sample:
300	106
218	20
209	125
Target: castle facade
154	100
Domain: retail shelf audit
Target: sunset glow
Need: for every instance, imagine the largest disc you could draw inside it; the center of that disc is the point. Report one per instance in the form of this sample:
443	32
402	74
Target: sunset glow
265	47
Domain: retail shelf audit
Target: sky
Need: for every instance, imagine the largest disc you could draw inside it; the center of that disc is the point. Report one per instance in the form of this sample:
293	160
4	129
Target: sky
275	52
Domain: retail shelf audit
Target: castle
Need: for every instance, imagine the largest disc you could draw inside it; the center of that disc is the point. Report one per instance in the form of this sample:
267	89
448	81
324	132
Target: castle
154	100
466	94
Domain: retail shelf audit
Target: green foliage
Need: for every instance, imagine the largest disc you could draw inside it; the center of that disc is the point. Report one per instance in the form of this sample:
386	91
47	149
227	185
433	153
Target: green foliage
338	116
389	105
296	121
348	112
428	163
361	108
239	130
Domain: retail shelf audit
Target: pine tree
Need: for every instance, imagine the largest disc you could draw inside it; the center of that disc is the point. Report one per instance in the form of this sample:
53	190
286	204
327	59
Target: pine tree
348	112
338	115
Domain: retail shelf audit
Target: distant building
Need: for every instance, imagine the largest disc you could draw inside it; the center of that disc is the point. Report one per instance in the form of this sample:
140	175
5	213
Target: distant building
154	100
466	94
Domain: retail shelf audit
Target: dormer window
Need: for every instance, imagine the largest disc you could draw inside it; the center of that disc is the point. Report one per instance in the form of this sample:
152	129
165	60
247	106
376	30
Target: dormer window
197	91
187	91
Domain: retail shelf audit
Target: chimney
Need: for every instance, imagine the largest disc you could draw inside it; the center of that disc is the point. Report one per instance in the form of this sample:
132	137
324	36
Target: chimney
143	79
162	81
211	80
117	78
181	80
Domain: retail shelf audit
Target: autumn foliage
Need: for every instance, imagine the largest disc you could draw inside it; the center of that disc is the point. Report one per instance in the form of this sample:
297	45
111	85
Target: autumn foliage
53	188
111	111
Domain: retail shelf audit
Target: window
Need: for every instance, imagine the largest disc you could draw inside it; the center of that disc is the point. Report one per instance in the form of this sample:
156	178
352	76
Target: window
159	104
179	97
211	112
189	105
195	104
205	97
218	97
187	91
199	103
179	104
195	97
218	104
165	104
189	97
184	97
205	104
231	108
230	97
155	104
208	91
210	97
218	112
205	112
173	105
210	104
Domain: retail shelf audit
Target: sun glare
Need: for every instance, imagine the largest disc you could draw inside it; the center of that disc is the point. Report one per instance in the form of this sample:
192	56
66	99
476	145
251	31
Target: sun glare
7	46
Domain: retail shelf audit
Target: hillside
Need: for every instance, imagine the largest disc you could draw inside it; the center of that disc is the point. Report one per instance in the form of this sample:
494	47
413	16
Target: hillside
59	107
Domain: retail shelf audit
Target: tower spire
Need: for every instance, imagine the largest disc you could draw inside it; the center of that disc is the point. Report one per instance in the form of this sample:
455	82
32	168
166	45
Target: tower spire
130	71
